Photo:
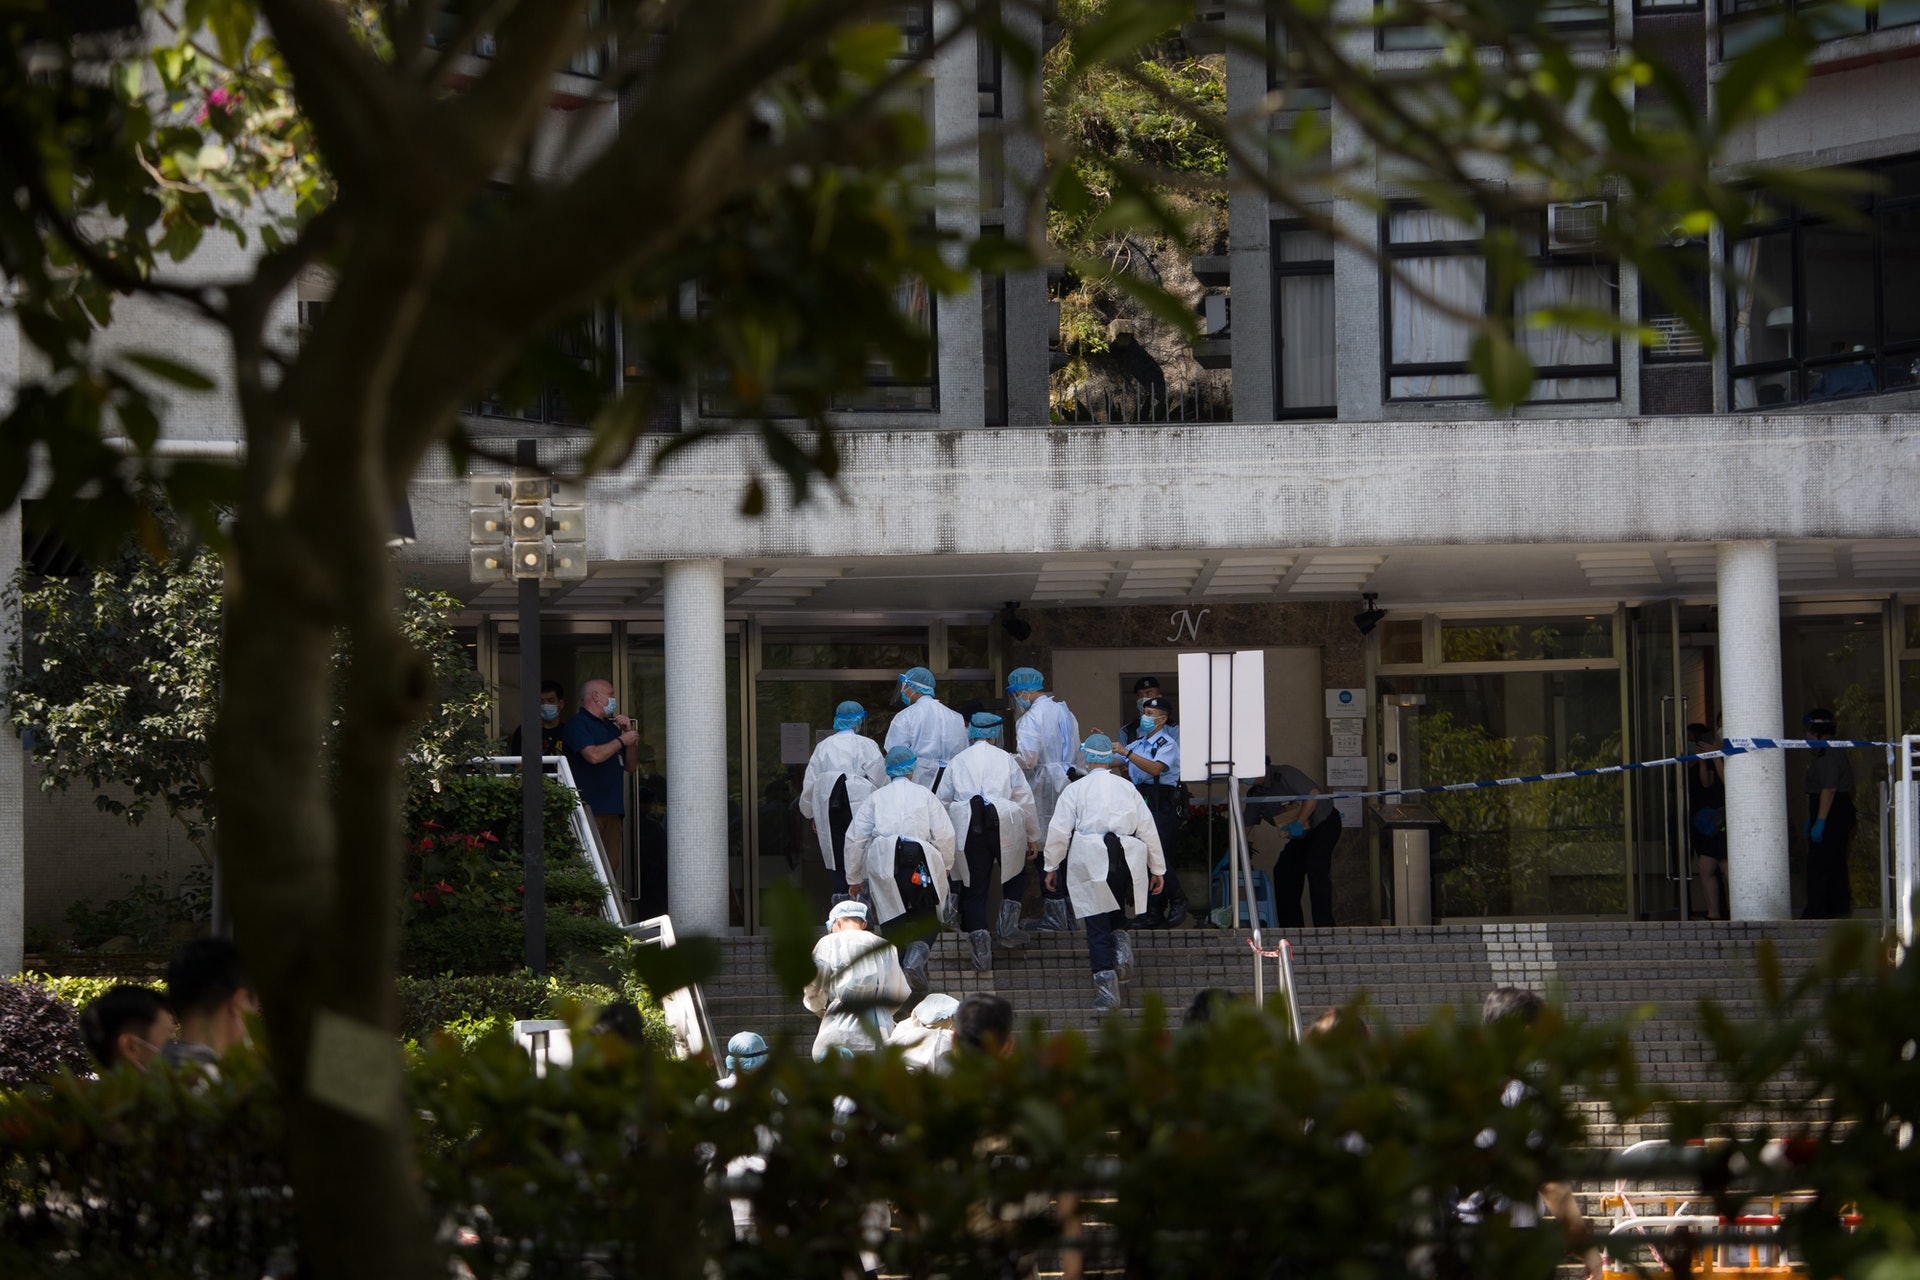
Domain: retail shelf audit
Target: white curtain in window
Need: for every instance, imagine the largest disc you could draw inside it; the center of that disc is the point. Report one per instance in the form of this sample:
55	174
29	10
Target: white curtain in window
1561	344
1746	256
1422	333
1306	342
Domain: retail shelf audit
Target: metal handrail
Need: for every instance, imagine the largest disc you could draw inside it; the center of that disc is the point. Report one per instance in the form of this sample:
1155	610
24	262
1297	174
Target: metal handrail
581	823
1906	858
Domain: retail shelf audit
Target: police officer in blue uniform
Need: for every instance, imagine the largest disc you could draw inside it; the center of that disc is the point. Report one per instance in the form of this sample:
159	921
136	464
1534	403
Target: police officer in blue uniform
1153	765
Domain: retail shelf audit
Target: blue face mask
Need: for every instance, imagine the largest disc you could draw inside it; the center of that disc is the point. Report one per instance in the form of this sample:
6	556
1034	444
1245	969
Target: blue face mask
1147	725
549	712
1024	700
608	709
906	699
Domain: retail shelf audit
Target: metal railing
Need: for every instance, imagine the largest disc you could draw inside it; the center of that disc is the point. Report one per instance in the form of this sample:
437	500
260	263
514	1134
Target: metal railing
1906	843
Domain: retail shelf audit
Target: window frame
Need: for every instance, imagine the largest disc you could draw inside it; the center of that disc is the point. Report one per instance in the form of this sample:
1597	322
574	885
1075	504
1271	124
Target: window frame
1880	354
1293	270
1475	248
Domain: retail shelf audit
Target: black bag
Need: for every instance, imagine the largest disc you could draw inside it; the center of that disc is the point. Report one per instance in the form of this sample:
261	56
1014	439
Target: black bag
983	842
913	877
1119	874
839	818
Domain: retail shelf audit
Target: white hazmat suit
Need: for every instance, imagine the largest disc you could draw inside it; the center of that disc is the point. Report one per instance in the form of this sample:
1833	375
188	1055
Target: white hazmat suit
986	771
857	984
1088	810
847	754
1047	743
901	810
934	731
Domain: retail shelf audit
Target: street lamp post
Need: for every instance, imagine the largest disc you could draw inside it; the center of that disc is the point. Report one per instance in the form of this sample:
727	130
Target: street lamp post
530	528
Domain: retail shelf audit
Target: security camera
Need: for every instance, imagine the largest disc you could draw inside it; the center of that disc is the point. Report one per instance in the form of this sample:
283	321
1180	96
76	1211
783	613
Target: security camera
1368	618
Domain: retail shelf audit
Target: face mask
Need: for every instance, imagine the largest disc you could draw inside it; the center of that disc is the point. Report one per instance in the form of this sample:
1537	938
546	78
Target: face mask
549	712
608	709
906	699
1024	701
1147	725
1139	704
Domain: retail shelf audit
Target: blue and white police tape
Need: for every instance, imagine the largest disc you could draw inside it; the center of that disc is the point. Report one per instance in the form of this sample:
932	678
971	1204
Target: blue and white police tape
1729	747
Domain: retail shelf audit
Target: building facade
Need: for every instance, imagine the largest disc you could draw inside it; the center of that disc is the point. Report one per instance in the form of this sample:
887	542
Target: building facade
1658	538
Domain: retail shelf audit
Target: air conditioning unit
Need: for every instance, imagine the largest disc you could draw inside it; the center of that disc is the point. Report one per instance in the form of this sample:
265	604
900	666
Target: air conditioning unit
1575	226
1676	339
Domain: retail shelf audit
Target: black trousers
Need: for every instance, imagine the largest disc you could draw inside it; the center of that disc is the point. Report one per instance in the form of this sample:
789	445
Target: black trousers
1308	860
1165	804
1829	895
982	853
1100	930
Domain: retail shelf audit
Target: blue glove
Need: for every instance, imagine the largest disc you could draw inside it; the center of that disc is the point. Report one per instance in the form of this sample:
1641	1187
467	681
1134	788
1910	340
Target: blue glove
1818	828
1707	821
1295	829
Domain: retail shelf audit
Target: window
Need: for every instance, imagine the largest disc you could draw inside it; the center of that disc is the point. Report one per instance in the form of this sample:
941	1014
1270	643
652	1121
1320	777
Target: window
1821	311
1677	340
887	390
1745	23
993	344
1301	92
1303	322
1403	24
988	49
1435	257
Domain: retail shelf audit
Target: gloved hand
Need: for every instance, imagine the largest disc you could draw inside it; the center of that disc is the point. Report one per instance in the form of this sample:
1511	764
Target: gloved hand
1295	829
1707	821
1817	828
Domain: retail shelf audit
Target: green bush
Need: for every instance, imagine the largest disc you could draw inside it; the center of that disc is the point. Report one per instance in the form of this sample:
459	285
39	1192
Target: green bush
464	891
148	913
467	1006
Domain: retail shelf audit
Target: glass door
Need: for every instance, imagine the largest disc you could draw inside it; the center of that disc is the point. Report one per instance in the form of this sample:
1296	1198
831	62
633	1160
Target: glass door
1659	710
1834	656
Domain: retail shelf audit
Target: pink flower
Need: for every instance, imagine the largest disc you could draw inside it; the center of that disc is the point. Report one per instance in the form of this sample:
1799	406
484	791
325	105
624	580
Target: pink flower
444	887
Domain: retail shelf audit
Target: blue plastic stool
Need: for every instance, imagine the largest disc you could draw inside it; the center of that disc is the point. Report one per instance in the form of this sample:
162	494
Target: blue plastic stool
1262	897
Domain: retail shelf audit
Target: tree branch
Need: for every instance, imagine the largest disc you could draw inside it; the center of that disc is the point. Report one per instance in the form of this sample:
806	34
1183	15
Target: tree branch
345	92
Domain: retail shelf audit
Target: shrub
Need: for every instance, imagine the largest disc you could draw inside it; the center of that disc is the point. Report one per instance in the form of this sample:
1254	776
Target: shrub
39	1035
148	913
470	1006
462	909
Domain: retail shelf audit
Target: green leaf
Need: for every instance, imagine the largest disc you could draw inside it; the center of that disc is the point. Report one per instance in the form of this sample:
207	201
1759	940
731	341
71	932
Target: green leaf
167	370
1504	371
753	502
866	48
1118	32
1757	80
791	927
1164	305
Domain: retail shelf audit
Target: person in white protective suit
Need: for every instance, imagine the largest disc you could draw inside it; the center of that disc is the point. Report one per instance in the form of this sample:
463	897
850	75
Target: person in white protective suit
845	769
1103	850
857	984
1047	744
900	857
995	824
933	731
925	1036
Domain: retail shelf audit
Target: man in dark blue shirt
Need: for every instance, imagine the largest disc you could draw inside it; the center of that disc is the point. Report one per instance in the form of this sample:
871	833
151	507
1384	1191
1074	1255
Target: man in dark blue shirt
601	749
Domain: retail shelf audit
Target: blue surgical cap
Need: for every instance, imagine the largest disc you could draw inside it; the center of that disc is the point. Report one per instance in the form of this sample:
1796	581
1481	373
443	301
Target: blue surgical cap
918	679
1025	678
1098	749
900	761
746	1052
985	725
849	715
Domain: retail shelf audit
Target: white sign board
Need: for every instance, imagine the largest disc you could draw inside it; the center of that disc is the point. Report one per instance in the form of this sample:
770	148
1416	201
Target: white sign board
1349	813
796	742
1346	702
1223	715
1346	744
1346	773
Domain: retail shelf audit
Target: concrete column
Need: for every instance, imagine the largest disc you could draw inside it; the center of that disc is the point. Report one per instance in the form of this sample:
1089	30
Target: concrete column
694	594
1750	702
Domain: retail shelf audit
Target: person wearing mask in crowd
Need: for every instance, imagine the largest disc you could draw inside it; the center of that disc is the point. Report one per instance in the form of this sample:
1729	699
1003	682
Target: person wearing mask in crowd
1830	817
1149	687
997	831
1312	827
843	771
1153	765
211	998
126	1023
857	984
553	704
900	857
1707	826
984	1024
1047	744
602	748
1103	851
933	731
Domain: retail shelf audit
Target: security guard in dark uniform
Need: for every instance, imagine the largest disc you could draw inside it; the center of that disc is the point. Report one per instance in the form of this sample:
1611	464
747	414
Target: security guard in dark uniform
1153	765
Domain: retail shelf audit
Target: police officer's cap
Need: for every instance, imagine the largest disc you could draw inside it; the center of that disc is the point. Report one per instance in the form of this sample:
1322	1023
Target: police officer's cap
1157	704
1146	682
1818	716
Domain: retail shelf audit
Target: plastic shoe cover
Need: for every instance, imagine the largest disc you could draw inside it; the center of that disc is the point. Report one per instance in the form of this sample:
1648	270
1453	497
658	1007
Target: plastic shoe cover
1106	991
915	964
1057	917
1123	954
1011	935
982	943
